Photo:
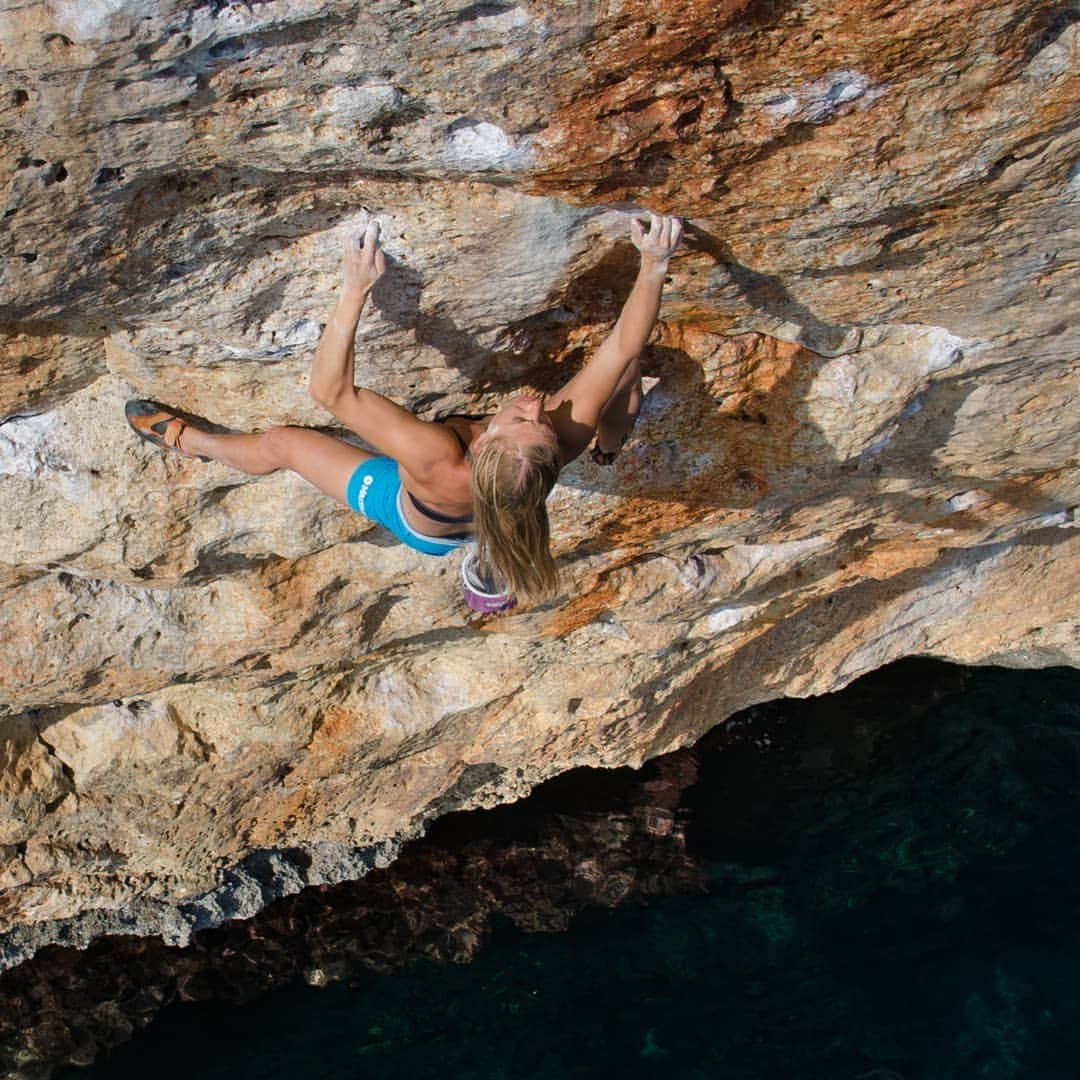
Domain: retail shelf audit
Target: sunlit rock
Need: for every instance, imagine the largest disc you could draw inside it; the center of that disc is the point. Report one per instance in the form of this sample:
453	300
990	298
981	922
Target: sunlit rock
859	440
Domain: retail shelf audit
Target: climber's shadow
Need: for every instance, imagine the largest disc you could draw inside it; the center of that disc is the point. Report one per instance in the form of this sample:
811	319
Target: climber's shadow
723	439
719	441
765	293
719	434
919	451
397	297
906	452
726	433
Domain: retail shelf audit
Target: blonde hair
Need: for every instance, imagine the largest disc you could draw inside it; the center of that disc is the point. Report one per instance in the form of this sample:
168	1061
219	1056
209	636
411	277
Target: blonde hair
510	484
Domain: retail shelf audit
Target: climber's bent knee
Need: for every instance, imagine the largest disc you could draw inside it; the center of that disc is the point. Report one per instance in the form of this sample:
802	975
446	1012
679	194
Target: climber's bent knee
284	446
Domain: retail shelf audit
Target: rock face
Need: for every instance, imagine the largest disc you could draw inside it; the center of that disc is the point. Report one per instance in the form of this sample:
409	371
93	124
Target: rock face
859	442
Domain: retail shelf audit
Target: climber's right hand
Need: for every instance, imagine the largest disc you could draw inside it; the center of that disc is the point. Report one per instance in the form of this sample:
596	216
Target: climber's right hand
364	261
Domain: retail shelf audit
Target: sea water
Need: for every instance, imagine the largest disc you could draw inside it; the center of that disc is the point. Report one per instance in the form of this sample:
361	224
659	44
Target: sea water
893	892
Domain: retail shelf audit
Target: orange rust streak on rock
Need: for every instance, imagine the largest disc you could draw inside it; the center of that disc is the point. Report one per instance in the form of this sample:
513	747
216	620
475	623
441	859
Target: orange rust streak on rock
336	734
889	559
639	522
287	810
581	611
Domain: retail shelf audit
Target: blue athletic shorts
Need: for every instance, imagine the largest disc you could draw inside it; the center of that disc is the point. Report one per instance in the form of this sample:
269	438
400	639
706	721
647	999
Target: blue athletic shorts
375	491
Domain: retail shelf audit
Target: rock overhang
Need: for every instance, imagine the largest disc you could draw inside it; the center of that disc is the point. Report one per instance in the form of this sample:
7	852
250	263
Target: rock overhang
858	442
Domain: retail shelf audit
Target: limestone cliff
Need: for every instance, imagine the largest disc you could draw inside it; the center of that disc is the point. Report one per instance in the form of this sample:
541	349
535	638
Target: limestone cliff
859	442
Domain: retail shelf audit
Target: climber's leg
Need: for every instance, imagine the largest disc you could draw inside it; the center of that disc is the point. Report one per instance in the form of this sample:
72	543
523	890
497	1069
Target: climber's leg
322	460
619	415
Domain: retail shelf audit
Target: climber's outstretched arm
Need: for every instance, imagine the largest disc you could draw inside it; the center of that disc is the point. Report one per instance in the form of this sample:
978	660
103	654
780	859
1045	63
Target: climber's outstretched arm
576	408
332	372
416	444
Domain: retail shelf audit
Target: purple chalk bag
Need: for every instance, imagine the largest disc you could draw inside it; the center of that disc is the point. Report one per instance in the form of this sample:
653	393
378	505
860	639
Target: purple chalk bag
481	593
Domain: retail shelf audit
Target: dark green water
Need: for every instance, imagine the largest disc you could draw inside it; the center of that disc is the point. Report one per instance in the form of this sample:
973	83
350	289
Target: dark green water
893	893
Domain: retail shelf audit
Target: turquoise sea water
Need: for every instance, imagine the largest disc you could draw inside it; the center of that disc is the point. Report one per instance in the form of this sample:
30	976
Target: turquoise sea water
893	893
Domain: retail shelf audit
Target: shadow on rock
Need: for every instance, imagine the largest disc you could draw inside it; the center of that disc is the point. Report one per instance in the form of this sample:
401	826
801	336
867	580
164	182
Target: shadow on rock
765	293
397	298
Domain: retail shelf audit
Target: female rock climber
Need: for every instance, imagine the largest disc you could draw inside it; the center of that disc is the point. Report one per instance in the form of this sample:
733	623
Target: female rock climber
438	485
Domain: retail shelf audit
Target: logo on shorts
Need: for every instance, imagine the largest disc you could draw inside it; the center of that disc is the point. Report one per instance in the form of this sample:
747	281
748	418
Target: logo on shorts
364	485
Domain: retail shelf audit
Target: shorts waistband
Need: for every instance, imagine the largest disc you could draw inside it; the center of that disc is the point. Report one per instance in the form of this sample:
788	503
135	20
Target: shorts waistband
446	542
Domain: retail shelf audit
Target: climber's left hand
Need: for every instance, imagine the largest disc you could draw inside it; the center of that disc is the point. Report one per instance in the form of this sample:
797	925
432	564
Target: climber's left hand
659	243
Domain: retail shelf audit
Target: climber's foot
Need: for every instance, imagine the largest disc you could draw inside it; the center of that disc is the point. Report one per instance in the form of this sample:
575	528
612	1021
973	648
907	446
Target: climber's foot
158	425
607	457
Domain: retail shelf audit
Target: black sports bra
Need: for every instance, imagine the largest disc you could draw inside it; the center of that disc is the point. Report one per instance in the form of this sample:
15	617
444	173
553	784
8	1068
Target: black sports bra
435	515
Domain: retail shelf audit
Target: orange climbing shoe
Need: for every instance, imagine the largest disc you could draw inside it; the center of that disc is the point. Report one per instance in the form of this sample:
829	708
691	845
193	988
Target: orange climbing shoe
158	425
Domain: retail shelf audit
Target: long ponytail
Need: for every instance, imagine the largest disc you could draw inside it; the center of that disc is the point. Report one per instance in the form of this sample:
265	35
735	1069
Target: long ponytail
510	484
